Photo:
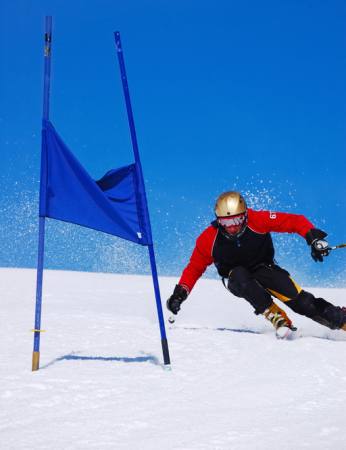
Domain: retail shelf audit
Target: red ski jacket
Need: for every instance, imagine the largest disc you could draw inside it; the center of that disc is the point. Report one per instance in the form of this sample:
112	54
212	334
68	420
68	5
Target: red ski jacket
253	247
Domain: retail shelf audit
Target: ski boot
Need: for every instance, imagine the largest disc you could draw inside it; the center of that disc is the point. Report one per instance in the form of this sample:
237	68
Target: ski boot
277	316
343	309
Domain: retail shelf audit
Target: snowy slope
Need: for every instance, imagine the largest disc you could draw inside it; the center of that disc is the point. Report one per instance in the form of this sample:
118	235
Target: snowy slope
102	384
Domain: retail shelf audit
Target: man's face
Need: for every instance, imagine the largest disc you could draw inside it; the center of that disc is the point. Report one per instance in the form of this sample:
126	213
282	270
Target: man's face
233	224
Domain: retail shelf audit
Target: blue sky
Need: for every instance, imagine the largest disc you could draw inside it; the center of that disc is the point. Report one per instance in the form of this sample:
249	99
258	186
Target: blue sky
226	95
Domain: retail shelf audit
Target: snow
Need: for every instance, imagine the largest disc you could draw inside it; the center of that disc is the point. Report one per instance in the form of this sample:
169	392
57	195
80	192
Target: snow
102	384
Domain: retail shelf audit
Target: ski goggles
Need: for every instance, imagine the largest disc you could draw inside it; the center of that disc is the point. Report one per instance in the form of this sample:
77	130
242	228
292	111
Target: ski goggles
232	221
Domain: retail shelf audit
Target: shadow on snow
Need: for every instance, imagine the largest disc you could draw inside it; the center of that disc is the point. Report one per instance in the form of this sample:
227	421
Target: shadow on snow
327	335
125	359
233	330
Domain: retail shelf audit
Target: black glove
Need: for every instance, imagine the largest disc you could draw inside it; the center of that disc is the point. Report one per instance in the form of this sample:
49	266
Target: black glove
179	295
319	246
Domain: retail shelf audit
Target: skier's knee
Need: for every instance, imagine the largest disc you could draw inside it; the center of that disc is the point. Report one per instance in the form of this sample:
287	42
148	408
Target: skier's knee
242	284
238	281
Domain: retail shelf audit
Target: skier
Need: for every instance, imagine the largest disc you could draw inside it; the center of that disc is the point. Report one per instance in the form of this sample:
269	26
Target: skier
239	243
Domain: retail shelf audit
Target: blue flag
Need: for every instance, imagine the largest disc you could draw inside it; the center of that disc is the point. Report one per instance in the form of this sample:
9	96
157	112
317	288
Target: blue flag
115	204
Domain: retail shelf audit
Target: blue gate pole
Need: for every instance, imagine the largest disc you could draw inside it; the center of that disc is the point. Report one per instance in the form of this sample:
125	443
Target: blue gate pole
41	232
164	341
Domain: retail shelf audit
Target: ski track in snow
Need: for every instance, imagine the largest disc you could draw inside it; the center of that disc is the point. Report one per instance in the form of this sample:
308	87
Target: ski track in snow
102	384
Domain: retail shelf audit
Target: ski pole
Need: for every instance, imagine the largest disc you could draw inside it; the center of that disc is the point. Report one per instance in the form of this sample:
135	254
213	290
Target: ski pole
337	246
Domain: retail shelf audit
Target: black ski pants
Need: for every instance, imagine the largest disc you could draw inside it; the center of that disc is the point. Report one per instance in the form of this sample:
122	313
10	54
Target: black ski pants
257	286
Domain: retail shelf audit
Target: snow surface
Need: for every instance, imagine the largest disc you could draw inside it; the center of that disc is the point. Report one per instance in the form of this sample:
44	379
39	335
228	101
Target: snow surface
102	384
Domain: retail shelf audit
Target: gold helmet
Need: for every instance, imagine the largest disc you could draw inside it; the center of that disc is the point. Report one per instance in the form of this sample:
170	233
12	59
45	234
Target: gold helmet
230	203
231	213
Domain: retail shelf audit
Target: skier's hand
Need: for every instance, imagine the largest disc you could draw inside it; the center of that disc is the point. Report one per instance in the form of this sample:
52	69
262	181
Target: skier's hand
319	246
319	249
179	295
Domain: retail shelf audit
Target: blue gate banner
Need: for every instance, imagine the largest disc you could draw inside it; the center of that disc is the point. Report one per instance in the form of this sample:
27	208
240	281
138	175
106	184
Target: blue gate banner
115	204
